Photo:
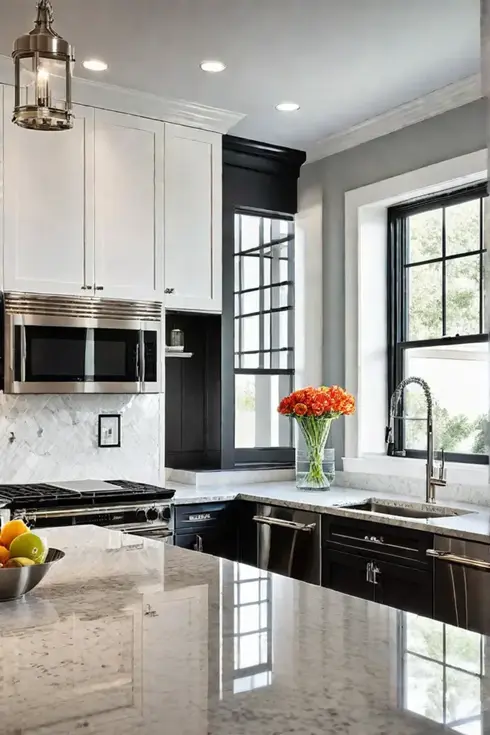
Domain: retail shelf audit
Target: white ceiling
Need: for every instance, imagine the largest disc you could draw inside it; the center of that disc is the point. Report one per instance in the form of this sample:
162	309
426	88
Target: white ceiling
343	61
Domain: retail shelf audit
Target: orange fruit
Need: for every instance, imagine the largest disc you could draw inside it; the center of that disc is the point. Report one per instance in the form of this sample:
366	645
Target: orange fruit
11	530
4	555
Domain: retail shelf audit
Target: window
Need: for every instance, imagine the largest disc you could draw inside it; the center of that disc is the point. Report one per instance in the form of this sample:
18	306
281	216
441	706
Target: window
264	335
437	663
436	322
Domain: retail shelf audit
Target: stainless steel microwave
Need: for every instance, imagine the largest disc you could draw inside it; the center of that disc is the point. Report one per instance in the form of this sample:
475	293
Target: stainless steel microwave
58	344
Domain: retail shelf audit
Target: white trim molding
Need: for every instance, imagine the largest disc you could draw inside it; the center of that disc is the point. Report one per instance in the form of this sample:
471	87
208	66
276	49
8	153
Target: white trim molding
365	290
430	105
133	102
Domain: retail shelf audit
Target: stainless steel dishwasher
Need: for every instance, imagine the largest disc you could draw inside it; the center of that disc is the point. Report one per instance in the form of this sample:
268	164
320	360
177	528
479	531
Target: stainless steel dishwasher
462	583
288	542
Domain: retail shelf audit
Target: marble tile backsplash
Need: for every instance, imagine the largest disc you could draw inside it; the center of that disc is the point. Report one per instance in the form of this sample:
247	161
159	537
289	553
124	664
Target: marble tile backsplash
413	486
46	438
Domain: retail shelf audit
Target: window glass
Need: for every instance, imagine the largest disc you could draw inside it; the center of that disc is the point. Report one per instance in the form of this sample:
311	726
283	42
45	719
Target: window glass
425	236
460	416
425	301
463	227
463	296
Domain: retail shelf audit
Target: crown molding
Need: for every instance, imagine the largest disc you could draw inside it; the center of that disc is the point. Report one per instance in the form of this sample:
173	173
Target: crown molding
133	102
432	104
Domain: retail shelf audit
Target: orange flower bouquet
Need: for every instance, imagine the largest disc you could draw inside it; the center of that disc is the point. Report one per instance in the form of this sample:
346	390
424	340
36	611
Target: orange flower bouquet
314	410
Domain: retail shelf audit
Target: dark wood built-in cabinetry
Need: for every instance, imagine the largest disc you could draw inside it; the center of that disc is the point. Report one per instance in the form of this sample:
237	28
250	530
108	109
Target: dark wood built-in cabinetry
193	393
224	529
387	564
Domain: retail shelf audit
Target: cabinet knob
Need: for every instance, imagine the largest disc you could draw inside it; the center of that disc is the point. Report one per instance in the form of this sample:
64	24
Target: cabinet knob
170	290
85	288
99	288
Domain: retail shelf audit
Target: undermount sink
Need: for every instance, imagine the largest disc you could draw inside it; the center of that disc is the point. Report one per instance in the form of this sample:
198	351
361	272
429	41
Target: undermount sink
406	510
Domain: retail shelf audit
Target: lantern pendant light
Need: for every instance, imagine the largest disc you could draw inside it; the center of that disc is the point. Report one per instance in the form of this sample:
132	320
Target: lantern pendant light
43	72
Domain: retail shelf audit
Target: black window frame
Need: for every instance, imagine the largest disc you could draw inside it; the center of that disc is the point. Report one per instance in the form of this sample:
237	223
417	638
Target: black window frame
397	307
281	455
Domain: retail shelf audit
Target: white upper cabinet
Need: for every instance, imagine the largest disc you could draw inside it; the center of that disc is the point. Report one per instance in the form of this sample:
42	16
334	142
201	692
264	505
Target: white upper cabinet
129	169
193	205
48	242
120	206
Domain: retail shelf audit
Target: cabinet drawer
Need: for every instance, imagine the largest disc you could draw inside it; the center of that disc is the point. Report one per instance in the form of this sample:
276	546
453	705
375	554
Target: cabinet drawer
385	541
199	516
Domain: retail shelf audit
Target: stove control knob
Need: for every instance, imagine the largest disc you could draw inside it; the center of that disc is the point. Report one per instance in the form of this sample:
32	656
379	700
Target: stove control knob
141	515
165	514
152	514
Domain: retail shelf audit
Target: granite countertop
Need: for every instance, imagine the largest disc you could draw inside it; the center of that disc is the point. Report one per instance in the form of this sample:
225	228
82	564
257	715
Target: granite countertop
129	635
474	525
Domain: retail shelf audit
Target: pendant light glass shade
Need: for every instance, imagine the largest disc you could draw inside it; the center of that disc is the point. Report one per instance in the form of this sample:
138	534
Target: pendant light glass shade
43	73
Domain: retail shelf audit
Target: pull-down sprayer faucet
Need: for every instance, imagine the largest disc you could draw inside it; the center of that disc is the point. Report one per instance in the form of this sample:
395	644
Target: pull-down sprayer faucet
431	482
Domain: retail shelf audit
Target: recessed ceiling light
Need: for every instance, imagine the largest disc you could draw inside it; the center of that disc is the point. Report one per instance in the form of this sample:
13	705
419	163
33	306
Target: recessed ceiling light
95	65
287	107
213	66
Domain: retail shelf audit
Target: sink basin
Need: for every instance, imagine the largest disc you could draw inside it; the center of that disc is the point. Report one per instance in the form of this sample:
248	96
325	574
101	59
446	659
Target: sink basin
406	510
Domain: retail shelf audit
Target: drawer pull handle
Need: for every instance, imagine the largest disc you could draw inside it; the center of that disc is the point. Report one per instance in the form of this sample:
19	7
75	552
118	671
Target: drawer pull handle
464	561
170	290
285	524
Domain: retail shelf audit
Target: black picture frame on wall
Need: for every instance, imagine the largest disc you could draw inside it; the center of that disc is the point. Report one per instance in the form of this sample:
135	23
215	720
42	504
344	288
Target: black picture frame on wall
109	434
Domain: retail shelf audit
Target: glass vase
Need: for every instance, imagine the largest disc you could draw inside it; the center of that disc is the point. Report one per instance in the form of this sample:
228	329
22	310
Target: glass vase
314	467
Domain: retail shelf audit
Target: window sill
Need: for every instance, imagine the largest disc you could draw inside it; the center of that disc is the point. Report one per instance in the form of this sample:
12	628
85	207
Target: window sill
458	473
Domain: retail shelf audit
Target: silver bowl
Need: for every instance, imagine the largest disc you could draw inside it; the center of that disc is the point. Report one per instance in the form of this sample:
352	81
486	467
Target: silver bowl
17	581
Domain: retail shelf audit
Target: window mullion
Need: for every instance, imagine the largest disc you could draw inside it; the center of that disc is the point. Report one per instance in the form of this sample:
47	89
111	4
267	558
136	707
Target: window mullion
261	293
239	322
482	264
443	269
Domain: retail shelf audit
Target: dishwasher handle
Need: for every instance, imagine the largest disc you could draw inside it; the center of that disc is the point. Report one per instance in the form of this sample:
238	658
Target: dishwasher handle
292	525
464	561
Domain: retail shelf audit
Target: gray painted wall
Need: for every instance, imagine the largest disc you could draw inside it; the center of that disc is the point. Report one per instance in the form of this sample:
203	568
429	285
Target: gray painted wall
446	136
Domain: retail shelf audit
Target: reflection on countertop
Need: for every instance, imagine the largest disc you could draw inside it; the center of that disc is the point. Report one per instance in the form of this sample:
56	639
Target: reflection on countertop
134	636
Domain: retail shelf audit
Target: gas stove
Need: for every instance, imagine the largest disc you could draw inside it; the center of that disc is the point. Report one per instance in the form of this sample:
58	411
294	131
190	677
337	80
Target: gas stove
123	505
80	492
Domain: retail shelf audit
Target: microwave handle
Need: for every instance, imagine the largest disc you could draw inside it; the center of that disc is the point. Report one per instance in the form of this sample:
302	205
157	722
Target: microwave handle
138	362
142	357
23	353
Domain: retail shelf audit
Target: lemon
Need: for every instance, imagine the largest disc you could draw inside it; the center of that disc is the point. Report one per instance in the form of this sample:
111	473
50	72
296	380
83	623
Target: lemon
19	561
28	546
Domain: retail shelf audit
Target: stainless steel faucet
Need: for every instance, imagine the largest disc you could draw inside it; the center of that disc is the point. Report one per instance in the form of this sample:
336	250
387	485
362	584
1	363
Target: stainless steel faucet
431	482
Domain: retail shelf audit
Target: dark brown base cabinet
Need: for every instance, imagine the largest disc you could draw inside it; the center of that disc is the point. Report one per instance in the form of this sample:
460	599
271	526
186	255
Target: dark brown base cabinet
224	529
209	528
386	564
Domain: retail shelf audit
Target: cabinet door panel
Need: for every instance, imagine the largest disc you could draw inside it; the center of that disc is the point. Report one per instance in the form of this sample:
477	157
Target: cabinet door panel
128	205
48	206
346	573
192	219
404	588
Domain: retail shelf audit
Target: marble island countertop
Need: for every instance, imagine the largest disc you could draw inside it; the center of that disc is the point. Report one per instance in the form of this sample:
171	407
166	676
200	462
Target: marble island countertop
474	525
129	635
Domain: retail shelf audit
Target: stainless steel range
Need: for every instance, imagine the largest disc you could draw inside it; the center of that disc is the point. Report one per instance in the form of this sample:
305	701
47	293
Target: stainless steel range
130	507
